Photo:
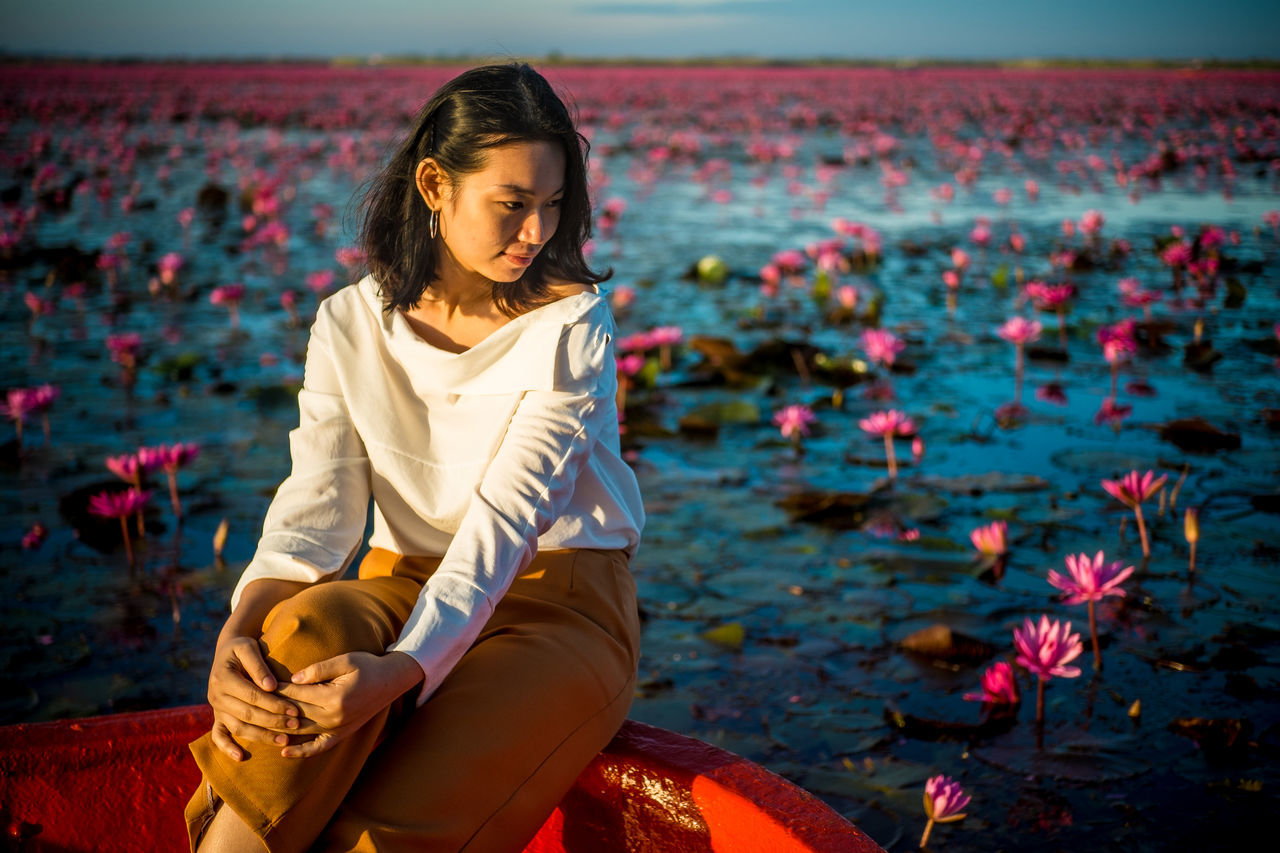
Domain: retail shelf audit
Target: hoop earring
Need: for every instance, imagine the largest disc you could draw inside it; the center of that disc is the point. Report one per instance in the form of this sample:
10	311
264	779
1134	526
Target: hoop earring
433	224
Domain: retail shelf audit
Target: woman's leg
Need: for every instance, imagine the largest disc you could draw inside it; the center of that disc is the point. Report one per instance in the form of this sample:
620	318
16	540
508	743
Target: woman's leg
287	801
482	764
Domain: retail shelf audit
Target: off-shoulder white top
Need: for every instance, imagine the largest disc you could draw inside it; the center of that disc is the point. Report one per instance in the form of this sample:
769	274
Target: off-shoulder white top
481	457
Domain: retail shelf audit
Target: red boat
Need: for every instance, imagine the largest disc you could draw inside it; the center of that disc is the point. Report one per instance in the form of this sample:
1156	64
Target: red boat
77	785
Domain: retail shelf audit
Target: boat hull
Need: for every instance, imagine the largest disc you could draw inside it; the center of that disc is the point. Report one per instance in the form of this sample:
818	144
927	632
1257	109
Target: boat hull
118	783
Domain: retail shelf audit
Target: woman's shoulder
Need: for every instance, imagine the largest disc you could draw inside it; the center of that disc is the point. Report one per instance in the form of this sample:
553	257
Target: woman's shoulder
563	289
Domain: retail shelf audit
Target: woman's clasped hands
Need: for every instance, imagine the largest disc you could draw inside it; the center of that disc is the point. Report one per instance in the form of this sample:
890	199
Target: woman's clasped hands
322	704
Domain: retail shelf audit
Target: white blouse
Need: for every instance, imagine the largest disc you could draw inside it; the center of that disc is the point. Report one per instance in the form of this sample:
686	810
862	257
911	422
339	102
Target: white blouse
481	457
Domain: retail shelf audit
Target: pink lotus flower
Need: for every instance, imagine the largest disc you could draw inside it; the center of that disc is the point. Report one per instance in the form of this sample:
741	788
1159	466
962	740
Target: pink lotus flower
793	421
1049	297
1045	648
1091	581
1131	490
127	467
124	349
622	297
229	295
170	457
943	800
169	266
120	505
991	539
319	281
882	346
1091	222
1020	330
19	403
999	687
34	537
888	424
349	257
959	259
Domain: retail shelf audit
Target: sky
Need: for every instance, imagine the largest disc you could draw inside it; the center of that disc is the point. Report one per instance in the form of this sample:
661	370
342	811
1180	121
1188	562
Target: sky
767	29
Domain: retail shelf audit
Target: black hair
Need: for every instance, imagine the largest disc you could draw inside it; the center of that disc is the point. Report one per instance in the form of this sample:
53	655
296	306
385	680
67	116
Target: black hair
479	109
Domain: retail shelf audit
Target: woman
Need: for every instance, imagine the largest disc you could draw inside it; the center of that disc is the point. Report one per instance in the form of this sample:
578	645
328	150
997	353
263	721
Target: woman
448	697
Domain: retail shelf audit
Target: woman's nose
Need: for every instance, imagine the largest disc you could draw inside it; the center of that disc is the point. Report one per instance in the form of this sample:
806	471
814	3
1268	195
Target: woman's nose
531	230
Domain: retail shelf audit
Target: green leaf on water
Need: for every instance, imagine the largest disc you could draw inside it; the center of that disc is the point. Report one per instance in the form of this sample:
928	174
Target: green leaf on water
1000	277
729	635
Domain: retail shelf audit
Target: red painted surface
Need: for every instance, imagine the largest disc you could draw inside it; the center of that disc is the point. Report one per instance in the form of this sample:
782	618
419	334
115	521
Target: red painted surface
119	783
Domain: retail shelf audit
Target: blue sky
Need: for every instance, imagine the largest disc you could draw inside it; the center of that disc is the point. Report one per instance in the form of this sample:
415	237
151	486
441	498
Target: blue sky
899	29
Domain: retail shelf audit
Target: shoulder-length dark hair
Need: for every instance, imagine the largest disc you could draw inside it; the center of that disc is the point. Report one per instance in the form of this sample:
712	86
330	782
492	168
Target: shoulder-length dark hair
479	109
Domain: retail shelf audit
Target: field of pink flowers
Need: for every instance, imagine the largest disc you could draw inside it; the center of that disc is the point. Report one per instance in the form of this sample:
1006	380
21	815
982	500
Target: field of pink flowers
952	393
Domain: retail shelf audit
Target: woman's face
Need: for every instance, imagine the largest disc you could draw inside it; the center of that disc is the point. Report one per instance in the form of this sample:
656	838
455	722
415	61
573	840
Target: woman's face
495	221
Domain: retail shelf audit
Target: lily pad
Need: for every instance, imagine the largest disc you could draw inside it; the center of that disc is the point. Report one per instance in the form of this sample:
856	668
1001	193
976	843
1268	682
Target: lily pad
1197	435
834	510
729	635
710	417
978	484
939	642
1077	757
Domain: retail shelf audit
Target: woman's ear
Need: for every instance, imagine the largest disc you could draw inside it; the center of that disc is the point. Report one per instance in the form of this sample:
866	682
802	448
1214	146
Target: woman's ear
431	182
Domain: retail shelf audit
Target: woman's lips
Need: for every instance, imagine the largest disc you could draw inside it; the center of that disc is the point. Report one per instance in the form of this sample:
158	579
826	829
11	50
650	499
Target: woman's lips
519	260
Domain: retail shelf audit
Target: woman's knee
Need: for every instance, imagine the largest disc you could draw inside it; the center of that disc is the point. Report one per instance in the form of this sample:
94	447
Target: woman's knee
319	622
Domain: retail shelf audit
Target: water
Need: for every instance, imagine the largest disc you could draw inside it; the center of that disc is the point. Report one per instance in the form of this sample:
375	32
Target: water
820	688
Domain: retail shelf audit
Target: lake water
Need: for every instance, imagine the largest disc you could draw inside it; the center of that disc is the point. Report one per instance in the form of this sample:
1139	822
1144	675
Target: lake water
772	632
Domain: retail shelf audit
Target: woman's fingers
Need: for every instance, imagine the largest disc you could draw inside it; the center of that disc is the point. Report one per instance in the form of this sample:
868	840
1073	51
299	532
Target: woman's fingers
243	711
243	732
222	740
321	743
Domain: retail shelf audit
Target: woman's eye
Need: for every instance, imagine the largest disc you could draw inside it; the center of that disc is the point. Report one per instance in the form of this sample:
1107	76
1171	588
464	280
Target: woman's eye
555	202
512	205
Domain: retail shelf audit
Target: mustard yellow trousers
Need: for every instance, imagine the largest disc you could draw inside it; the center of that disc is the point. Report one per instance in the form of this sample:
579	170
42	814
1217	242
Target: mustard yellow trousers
487	758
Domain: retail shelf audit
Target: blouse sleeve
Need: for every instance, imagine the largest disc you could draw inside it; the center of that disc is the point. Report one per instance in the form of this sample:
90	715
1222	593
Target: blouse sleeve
524	490
317	518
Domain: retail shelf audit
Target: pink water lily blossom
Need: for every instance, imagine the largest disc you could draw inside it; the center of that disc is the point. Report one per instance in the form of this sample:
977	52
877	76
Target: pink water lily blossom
888	424
793	421
1044	649
991	539
120	505
1091	580
1132	490
882	346
1020	330
943	801
999	686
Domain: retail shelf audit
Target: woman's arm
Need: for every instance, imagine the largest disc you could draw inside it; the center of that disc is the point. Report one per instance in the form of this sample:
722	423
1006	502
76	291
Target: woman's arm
524	491
316	520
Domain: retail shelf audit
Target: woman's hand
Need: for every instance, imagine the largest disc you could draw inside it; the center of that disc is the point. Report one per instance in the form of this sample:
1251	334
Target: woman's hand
245	708
340	694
